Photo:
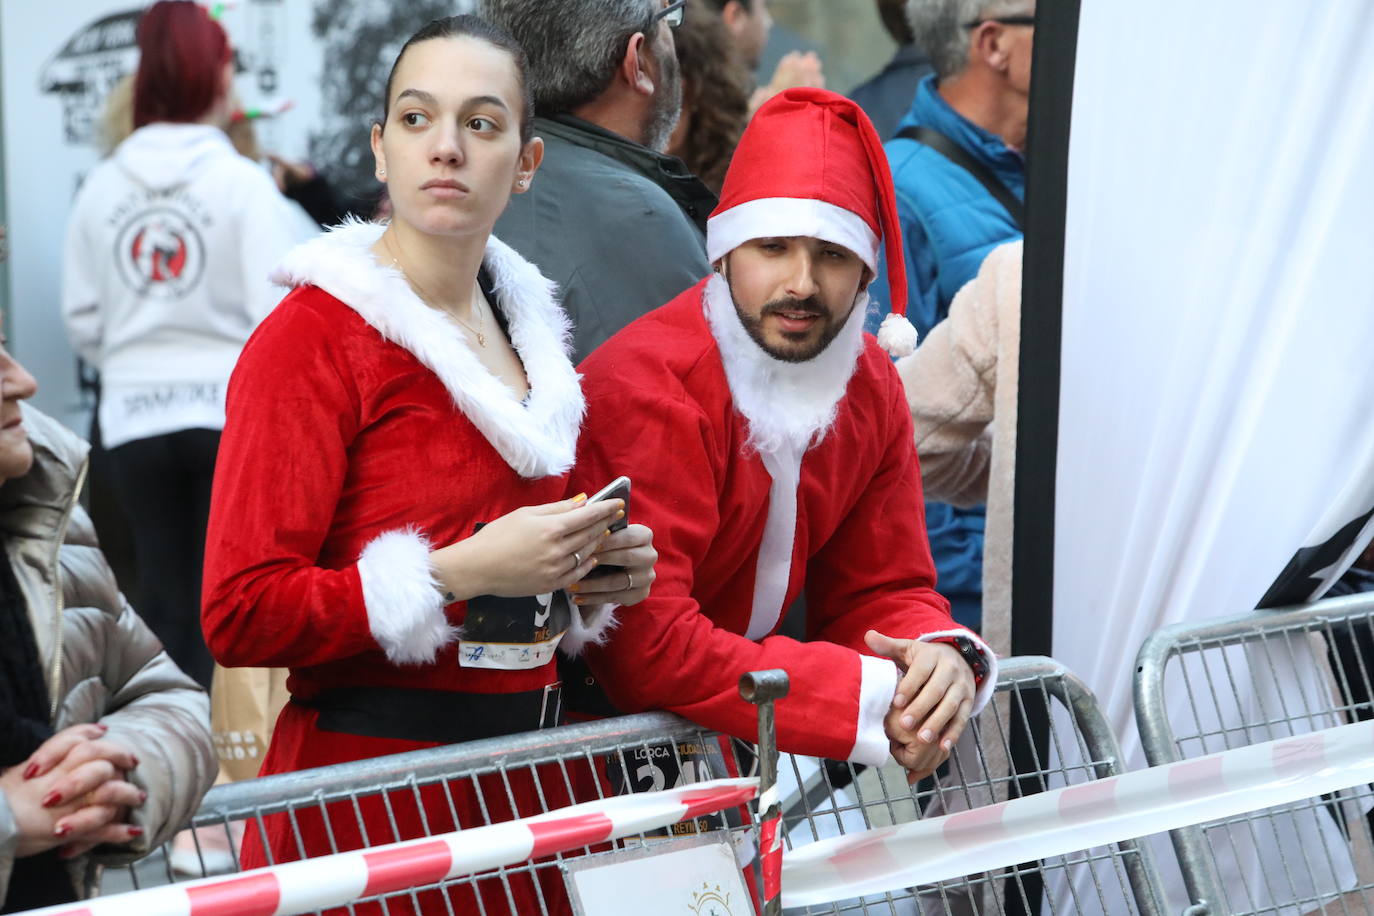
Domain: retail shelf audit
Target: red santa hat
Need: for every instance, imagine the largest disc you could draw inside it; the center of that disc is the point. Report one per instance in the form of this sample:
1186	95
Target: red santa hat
811	164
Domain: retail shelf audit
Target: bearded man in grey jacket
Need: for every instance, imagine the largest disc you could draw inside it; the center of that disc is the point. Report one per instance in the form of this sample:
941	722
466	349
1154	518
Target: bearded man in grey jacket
619	225
105	744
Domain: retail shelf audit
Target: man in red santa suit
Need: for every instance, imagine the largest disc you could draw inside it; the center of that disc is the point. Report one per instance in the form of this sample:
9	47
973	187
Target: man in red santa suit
771	452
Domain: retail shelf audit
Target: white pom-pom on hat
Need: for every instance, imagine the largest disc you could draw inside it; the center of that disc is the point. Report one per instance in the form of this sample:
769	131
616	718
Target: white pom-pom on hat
897	335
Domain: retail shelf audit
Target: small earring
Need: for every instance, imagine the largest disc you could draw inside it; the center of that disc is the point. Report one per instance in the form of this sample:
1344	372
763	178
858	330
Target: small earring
523	181
381	173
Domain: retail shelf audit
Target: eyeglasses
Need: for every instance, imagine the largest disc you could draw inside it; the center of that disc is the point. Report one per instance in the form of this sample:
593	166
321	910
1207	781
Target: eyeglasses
672	13
1002	20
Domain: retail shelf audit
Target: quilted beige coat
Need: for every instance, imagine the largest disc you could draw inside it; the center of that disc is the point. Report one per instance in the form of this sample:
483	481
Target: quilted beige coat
102	662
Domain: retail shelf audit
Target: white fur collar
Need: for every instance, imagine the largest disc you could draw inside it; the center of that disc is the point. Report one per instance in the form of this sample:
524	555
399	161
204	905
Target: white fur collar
789	406
537	437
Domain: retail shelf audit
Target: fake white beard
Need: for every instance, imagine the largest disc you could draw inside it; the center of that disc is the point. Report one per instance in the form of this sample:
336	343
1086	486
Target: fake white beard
789	406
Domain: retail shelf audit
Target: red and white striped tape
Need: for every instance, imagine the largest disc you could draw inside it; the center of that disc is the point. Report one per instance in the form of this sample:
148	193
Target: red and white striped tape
1080	817
336	880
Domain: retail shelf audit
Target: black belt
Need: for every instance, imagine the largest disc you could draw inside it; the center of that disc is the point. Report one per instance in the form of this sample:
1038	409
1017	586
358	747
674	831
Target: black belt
440	716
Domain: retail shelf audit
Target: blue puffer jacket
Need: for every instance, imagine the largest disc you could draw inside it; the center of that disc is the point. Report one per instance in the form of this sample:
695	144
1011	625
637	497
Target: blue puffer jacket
949	224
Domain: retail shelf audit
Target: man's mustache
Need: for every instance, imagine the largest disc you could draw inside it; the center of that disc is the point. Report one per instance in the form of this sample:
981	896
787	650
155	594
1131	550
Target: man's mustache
811	305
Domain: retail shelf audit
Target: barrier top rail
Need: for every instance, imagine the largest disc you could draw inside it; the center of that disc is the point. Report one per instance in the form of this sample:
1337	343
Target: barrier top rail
1198	636
276	793
1329	610
273	794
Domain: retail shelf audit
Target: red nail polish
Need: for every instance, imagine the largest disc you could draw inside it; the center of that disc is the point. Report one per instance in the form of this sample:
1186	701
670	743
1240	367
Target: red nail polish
103	727
135	831
31	771
51	799
62	830
66	852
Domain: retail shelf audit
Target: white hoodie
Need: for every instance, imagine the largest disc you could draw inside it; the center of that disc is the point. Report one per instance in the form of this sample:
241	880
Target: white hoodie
165	274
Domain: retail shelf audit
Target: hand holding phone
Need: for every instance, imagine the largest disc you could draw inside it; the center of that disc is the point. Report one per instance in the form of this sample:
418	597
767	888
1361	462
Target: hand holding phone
616	489
631	545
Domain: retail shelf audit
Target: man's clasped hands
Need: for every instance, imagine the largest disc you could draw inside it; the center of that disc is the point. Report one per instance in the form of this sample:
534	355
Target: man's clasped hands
931	705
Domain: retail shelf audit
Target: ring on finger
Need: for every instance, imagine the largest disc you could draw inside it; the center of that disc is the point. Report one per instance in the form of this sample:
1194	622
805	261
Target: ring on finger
577	559
630	581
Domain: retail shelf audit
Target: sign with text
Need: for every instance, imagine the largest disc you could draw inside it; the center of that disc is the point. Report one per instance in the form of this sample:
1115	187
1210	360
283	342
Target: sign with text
696	879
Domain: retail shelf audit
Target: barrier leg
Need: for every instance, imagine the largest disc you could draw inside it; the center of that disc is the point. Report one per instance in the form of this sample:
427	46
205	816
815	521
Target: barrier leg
762	688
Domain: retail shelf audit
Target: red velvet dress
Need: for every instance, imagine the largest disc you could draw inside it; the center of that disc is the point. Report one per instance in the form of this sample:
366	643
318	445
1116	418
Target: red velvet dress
362	432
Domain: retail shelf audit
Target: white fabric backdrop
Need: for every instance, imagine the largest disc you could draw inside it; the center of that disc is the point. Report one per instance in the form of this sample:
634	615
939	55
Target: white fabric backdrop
1218	329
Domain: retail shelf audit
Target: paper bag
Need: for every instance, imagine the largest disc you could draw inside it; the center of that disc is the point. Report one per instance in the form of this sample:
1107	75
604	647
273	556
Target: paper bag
244	704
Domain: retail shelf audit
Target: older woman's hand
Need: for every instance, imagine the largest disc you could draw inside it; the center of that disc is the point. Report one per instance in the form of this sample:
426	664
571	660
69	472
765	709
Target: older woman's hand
72	792
631	548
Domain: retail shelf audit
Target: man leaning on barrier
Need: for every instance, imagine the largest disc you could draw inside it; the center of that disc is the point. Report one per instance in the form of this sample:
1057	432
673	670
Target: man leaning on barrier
770	445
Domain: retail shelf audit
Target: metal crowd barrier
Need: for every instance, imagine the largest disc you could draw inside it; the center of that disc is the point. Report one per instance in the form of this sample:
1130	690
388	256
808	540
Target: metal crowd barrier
830	798
526	774
818	799
1255	677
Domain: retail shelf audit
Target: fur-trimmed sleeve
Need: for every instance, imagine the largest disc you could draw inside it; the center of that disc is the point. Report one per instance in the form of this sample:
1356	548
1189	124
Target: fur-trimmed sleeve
293	411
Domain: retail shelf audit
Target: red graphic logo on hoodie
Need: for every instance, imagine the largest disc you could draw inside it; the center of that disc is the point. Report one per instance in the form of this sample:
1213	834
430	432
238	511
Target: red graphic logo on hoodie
160	254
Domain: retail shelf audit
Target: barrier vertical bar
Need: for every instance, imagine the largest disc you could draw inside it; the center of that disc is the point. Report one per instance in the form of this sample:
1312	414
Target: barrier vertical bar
762	688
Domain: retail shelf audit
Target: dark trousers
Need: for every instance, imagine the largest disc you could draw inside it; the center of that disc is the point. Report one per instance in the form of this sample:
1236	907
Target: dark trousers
164	487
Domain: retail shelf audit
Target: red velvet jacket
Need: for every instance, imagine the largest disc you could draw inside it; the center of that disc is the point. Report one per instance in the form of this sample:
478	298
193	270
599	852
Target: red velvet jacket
661	411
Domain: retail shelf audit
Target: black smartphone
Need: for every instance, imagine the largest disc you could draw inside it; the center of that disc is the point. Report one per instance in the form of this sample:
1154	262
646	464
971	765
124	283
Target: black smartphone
616	489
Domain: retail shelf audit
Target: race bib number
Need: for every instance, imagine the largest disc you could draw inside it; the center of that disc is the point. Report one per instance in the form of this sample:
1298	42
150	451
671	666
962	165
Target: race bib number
513	634
651	768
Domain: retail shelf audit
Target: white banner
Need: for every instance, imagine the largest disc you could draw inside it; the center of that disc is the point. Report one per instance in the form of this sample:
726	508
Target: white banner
1214	424
1062	821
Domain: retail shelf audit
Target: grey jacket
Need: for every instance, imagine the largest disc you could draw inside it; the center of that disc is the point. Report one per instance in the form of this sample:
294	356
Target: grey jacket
620	228
103	664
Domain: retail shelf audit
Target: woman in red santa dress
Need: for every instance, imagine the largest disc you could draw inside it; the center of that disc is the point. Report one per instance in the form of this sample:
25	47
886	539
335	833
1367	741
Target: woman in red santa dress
387	518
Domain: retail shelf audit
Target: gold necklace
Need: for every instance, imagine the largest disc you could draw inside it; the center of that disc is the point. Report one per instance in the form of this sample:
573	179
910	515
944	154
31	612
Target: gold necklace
419	290
481	316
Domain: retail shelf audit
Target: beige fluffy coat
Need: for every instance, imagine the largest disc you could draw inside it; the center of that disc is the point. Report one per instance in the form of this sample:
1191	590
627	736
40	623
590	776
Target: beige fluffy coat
961	385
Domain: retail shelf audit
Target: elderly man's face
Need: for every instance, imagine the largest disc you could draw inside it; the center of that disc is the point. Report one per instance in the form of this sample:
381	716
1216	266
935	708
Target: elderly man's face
793	294
1021	45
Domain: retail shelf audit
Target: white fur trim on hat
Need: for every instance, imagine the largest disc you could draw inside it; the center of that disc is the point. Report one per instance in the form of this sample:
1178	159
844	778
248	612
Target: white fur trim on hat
405	607
789	217
897	335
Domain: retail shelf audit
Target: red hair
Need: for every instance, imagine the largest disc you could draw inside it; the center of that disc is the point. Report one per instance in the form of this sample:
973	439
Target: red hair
182	53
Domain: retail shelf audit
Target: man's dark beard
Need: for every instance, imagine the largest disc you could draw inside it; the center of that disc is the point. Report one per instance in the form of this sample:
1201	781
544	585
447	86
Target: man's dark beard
793	354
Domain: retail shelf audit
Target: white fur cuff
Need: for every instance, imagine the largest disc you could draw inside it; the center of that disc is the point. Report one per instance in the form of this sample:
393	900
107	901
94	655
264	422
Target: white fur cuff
590	625
877	686
989	685
405	605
